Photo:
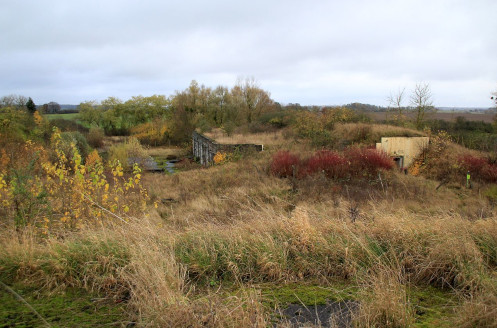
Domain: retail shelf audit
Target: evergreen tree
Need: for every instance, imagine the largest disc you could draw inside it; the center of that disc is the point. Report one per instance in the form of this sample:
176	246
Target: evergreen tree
30	105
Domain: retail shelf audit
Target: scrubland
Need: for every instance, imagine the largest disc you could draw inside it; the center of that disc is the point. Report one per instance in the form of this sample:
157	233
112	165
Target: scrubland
233	244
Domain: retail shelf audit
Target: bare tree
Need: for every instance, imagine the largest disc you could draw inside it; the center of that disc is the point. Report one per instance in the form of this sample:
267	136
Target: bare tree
253	100
219	100
422	102
16	101
395	102
51	108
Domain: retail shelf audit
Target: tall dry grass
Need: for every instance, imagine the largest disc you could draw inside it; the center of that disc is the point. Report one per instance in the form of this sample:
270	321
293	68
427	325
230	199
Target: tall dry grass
165	269
232	227
133	263
371	133
263	138
385	300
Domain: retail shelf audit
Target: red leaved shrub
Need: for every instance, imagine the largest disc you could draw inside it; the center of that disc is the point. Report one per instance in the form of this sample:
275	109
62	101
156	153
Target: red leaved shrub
490	173
367	161
355	162
283	164
479	167
331	163
472	163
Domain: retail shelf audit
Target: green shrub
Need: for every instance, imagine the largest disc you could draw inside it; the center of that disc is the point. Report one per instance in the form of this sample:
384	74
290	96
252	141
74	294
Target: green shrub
278	119
78	139
257	127
96	137
131	151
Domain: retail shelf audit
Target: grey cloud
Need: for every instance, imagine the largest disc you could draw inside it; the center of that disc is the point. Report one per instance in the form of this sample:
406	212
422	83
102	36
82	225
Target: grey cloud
309	52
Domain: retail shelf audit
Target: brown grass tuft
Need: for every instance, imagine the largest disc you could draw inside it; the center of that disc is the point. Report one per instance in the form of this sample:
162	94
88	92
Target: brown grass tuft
385	301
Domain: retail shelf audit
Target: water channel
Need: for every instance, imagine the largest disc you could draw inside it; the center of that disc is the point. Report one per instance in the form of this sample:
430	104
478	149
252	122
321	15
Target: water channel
165	165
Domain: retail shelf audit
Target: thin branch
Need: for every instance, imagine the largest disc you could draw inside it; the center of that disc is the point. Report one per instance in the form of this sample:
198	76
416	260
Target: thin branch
103	208
22	300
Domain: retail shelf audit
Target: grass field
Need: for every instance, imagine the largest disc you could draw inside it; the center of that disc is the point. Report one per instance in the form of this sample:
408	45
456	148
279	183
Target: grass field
440	115
69	116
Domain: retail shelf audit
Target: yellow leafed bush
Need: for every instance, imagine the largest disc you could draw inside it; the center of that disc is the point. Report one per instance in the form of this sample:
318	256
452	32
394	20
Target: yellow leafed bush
153	133
67	193
220	158
131	151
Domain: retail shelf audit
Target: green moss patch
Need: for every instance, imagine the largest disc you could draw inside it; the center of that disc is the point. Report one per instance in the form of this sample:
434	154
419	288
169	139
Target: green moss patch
283	295
69	308
434	307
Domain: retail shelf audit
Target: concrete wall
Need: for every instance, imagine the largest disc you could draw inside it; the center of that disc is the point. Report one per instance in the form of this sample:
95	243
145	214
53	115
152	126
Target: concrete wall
204	149
405	147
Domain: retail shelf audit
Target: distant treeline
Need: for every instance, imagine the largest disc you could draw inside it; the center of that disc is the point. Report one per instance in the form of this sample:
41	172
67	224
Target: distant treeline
471	134
159	119
245	107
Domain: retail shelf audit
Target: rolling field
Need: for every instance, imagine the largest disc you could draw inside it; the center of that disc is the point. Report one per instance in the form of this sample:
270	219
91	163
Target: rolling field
68	116
440	115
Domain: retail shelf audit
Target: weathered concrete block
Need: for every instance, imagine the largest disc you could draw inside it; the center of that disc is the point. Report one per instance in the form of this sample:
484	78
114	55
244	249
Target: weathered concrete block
403	149
204	148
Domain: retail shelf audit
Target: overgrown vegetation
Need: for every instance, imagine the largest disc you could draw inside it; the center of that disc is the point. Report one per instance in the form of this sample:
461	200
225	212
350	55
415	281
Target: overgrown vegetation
319	216
160	120
477	135
353	163
55	190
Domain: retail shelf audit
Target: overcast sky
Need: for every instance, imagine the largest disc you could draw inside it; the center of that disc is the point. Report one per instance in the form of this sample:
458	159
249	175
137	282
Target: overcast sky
307	52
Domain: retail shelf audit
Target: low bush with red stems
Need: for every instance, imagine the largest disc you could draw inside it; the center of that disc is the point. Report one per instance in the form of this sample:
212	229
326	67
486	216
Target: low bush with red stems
284	163
480	168
355	162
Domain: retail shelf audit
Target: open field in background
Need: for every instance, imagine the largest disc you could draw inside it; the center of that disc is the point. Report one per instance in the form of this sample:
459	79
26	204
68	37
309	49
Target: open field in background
69	116
439	115
377	116
61	120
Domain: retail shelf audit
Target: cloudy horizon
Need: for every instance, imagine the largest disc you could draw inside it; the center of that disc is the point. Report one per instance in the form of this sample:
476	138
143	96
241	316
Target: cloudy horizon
312	53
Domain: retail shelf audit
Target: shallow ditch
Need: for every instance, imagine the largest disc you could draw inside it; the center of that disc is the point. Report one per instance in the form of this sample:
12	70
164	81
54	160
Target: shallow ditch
331	314
165	164
302	305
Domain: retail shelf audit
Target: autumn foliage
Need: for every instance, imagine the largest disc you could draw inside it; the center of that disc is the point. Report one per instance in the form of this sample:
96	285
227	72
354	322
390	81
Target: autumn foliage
367	161
480	168
154	133
55	191
331	163
284	163
354	162
220	157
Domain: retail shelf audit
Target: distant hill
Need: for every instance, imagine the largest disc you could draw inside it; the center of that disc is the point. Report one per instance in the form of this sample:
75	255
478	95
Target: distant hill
365	107
68	107
466	109
374	108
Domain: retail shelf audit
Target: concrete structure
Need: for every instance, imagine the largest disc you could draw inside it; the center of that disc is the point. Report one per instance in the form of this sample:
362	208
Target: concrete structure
403	150
204	149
